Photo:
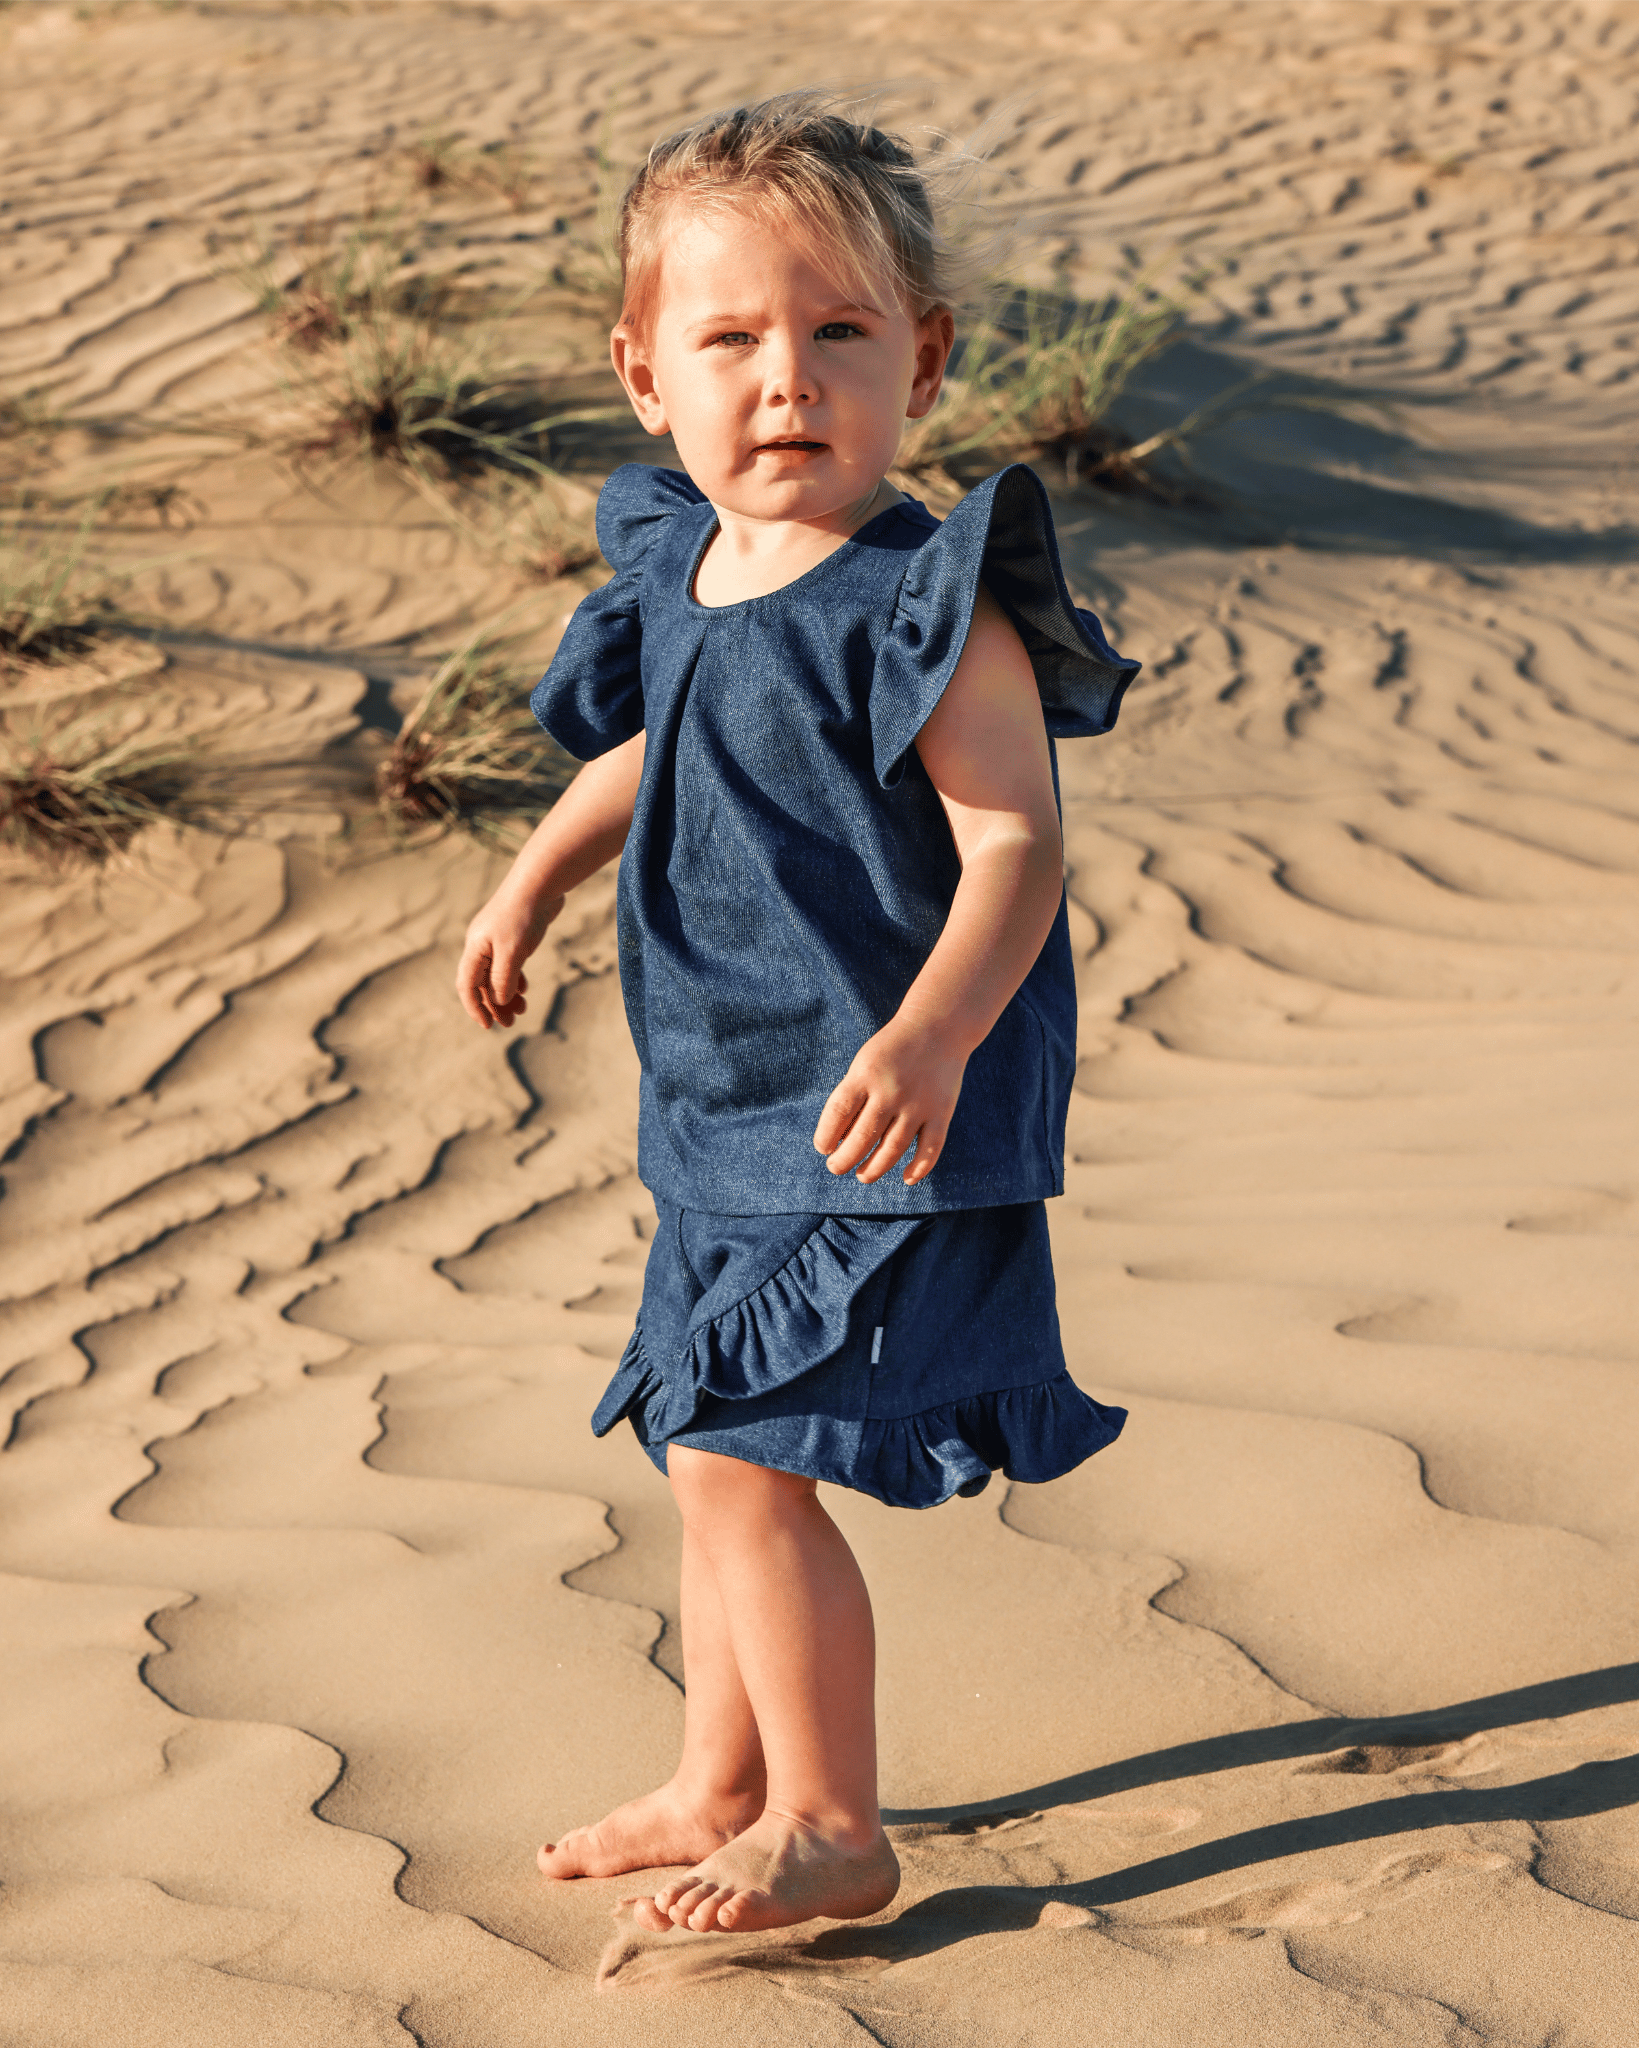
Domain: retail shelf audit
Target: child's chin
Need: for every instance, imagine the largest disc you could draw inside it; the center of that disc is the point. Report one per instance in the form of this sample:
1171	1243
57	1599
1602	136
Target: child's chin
774	470
772	495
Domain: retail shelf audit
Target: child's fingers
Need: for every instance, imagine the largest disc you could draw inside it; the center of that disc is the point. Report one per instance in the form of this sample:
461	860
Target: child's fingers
846	1101
891	1147
505	977
930	1142
504	992
507	1014
858	1141
471	984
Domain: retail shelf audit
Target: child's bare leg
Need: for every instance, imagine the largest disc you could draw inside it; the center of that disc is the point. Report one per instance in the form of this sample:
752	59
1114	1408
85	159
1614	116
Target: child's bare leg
718	1787
800	1620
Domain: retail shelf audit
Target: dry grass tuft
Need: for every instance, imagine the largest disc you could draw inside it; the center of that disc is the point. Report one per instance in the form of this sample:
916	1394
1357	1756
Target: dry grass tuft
398	389
1039	381
509	171
586	275
387	358
1073	376
548	543
543	528
343	274
82	789
470	752
443	161
406	388
29	413
433	160
52	602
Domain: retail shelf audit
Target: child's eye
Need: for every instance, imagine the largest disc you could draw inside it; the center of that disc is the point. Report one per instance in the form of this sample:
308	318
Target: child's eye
735	340
836	330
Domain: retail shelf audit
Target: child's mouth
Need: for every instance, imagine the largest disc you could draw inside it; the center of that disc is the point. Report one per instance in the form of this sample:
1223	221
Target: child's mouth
791	448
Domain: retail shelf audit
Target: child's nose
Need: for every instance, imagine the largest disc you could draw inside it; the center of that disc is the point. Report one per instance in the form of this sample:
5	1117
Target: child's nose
788	376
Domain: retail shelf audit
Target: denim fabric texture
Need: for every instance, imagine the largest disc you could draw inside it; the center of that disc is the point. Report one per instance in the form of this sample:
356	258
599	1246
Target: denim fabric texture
903	1357
789	866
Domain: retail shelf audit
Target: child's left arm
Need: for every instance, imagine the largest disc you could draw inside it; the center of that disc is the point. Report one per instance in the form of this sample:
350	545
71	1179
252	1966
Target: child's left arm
985	750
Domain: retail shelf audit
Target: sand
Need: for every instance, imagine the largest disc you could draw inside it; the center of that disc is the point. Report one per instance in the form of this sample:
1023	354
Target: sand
1305	1715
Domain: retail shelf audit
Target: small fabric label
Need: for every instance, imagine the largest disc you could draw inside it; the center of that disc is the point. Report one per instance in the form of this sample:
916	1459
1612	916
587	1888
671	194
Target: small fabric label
876	1344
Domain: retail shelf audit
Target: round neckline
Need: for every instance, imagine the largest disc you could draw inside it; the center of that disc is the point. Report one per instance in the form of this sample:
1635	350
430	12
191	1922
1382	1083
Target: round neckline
902	504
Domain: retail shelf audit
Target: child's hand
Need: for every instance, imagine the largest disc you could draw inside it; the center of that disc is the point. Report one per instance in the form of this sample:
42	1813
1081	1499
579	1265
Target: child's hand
490	979
902	1085
584	828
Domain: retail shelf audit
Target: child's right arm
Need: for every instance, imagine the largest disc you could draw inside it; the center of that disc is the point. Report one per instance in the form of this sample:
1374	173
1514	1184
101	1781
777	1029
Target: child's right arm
586	827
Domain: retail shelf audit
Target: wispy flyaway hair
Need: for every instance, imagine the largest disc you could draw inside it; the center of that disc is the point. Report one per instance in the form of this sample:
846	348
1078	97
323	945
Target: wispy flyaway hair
850	192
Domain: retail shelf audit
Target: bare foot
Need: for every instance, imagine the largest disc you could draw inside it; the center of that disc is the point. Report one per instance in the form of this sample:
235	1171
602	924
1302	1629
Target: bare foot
646	1834
778	1872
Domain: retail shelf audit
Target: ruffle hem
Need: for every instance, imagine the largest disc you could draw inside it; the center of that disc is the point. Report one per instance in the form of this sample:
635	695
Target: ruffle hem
750	1382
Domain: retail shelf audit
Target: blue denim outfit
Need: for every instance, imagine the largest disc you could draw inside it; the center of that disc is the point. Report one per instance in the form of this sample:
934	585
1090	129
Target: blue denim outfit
788	871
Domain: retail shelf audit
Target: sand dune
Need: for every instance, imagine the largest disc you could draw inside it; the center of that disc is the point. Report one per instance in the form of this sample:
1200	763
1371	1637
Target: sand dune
1306	1714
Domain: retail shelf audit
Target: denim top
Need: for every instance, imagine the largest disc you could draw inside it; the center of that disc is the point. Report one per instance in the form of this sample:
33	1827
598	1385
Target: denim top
789	865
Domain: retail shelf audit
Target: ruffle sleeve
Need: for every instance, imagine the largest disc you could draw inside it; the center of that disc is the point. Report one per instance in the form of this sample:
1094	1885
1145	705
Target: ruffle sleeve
1002	532
591	698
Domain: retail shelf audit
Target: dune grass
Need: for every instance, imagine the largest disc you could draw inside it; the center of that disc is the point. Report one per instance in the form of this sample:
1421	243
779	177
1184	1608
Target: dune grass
438	398
345	268
586	276
1038	380
443	161
435	396
398	388
386	356
434	159
81	788
547	541
469	753
1075	369
53	600
29	413
539	526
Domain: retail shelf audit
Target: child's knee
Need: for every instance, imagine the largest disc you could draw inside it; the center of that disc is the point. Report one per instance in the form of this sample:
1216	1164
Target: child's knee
712	1488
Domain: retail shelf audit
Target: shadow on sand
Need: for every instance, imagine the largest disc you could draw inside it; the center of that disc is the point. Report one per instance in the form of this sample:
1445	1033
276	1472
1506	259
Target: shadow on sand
1615	1685
1589	1788
1323	465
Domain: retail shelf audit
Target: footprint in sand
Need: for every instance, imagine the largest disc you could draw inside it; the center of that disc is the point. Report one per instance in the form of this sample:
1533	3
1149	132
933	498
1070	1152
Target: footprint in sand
969	1826
1325	1902
1137	1823
1130	1824
1456	1759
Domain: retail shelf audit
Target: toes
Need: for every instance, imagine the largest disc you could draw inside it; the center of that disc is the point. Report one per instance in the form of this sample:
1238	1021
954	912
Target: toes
704	1917
689	1898
679	1900
648	1916
563	1859
750	1912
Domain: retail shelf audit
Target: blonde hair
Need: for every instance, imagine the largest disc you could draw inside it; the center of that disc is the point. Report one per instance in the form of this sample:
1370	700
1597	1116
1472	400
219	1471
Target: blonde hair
851	192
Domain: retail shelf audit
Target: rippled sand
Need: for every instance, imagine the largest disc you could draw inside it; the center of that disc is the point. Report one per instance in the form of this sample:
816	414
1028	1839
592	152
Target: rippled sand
1306	1714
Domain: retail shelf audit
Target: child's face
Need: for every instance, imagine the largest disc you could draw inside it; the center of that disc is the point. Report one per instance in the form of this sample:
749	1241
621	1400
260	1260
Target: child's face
785	395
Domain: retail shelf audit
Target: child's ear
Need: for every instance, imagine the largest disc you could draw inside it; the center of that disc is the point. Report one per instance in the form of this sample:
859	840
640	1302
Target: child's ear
633	368
935	338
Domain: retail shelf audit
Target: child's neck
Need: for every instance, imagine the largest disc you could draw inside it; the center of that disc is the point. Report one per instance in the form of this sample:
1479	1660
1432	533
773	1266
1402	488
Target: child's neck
752	557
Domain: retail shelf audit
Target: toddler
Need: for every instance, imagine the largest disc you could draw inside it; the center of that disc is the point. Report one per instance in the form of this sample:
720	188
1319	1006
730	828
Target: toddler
818	727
